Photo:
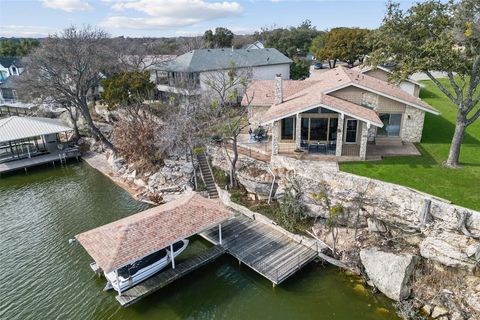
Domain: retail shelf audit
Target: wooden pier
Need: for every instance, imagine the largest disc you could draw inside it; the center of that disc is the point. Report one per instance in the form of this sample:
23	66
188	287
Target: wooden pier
20	164
263	248
166	277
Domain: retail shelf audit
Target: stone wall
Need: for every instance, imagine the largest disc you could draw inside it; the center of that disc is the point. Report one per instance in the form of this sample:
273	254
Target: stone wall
412	124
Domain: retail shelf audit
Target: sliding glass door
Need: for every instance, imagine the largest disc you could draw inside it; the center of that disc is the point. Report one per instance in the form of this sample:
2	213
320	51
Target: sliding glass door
391	124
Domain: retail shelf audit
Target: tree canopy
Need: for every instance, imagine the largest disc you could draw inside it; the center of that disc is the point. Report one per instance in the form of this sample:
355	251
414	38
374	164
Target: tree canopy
291	41
436	36
127	89
345	44
221	38
17	47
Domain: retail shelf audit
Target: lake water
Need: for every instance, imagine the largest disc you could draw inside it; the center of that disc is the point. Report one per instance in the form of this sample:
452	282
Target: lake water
45	277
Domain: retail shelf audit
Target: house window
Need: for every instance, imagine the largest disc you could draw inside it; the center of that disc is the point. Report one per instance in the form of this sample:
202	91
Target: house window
304	129
351	131
318	129
288	128
332	132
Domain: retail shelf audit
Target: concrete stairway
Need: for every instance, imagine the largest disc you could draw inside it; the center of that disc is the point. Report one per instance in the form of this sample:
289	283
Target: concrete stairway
207	176
388	141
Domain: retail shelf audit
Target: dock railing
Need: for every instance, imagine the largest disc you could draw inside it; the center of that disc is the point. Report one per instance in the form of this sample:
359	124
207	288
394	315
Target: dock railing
278	273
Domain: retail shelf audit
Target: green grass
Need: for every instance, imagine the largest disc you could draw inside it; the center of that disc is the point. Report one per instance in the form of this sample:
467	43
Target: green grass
426	173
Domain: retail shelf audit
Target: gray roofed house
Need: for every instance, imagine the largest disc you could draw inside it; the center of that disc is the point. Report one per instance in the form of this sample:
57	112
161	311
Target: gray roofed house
186	75
218	59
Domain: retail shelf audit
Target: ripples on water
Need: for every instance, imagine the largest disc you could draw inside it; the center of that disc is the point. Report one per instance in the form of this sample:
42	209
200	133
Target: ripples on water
44	277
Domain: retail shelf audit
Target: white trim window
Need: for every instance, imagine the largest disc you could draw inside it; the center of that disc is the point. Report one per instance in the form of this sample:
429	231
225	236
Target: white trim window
351	129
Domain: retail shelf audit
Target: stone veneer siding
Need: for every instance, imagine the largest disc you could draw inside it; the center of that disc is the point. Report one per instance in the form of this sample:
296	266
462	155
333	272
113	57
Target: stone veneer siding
363	140
275	137
255	115
412	127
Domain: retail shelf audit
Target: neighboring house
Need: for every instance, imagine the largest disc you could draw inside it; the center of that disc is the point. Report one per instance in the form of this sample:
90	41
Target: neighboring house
9	102
383	73
256	45
337	113
187	74
10	66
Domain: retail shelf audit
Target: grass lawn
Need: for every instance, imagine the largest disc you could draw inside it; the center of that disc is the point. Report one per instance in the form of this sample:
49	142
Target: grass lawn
426	173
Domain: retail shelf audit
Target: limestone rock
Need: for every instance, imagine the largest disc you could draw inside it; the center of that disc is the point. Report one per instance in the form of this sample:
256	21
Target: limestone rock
438	312
389	272
376	226
139	182
473	301
448	249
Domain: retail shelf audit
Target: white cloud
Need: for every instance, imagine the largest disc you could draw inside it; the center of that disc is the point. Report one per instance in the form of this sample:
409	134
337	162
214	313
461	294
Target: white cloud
67	5
25	31
170	13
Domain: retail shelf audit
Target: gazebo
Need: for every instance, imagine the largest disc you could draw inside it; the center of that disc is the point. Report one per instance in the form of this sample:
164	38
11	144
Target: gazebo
27	137
127	240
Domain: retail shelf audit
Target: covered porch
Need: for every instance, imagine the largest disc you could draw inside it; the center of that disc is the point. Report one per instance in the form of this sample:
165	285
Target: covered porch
324	132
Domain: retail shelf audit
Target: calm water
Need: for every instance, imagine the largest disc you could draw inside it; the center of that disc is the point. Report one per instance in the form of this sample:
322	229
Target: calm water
44	277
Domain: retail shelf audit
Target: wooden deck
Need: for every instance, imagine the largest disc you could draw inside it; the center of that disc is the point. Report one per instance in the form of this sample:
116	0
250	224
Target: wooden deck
38	160
263	248
166	277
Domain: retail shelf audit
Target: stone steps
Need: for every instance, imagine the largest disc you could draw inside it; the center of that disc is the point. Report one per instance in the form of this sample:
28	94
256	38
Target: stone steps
207	176
388	141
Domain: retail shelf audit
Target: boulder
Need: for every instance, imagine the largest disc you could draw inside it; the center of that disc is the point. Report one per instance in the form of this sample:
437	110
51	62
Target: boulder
439	311
389	272
376	226
449	249
139	182
261	189
473	301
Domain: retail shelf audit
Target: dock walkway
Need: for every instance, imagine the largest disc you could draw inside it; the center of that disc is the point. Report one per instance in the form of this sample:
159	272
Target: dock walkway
166	277
263	248
59	156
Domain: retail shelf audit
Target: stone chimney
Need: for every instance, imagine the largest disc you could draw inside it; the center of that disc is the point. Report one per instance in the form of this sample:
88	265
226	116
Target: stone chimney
278	89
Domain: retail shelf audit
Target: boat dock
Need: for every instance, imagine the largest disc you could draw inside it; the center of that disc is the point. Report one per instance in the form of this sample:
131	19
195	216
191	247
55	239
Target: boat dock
166	277
263	248
26	163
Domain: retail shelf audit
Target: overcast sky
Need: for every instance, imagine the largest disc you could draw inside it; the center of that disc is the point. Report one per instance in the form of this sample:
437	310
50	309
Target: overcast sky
137	18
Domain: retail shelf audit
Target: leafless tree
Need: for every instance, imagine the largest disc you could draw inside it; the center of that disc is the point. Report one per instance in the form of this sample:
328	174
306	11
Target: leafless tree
67	67
190	43
228	116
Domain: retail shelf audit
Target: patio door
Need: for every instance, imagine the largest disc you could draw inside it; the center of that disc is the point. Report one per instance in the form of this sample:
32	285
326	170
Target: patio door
351	131
391	124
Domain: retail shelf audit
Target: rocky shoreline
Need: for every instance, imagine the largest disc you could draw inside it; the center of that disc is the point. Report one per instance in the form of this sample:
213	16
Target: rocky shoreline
418	250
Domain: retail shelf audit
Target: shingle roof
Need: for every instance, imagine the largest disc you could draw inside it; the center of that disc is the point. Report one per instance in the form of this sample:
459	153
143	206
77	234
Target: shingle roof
126	240
14	128
262	92
364	68
334	80
8	61
218	59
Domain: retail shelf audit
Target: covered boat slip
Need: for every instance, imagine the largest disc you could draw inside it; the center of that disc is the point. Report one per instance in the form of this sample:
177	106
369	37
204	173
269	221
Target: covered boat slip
30	141
130	239
263	248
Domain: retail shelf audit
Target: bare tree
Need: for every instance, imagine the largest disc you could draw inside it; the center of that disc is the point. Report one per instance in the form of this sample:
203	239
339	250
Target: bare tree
191	43
228	117
67	67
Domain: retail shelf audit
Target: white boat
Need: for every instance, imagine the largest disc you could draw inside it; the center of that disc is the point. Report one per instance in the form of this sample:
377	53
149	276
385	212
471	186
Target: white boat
132	274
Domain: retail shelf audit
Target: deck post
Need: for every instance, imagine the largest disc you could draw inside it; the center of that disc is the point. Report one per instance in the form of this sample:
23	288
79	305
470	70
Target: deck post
172	257
220	233
118	284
